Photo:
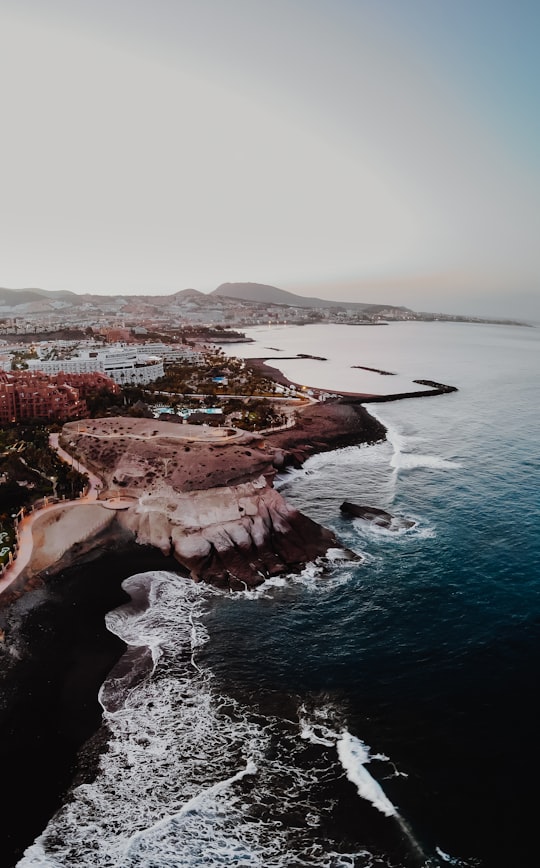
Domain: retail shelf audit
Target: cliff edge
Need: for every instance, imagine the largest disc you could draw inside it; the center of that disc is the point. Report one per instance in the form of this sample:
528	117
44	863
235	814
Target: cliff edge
203	494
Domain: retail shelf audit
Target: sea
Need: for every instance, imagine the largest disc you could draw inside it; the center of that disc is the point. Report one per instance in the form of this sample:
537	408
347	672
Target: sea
380	712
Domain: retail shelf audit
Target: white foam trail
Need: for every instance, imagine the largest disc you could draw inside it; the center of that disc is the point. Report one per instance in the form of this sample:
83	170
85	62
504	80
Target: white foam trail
318	576
444	856
453	860
353	755
403	459
369	529
412	460
288	476
372	528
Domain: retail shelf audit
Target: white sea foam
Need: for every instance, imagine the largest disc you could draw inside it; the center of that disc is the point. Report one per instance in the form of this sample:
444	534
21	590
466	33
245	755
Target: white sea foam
366	525
454	860
404	454
190	777
353	755
288	476
413	460
313	724
320	576
419	531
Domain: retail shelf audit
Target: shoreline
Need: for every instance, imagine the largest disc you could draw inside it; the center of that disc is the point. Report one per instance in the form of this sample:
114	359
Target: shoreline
51	723
56	537
62	652
261	366
321	426
58	651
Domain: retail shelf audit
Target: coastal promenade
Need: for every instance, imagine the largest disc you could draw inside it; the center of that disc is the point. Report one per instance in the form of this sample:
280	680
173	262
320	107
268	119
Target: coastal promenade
52	526
45	514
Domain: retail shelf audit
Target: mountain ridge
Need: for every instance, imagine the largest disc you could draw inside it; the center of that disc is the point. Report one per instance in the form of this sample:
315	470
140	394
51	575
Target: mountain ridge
257	293
262	292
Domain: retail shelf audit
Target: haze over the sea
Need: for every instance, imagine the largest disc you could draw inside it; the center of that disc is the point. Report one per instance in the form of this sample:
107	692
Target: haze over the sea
357	150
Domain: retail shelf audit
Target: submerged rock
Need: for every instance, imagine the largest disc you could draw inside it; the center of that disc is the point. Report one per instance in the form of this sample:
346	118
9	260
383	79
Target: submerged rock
378	517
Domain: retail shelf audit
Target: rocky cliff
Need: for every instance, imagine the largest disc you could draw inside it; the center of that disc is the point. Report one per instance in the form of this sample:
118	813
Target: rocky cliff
204	495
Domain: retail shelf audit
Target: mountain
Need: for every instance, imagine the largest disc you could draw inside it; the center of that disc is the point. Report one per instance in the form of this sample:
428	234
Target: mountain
261	292
249	293
231	304
14	297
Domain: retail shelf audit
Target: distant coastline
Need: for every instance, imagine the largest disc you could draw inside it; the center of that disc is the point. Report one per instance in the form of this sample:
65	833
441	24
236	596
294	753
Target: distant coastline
260	364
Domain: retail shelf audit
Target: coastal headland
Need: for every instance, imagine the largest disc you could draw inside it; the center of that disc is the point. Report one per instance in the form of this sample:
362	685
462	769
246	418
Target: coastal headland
162	496
203	495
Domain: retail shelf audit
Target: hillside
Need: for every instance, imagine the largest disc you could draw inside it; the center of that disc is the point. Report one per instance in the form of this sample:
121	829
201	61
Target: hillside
15	297
261	292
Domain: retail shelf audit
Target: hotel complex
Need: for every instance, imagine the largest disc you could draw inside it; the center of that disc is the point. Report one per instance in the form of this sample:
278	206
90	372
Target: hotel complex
126	366
34	395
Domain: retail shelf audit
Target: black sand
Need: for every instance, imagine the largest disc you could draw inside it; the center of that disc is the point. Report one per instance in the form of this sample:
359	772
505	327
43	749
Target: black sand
49	707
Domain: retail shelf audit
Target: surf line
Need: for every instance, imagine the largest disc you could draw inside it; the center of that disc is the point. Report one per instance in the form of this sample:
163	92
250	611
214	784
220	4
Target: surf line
353	755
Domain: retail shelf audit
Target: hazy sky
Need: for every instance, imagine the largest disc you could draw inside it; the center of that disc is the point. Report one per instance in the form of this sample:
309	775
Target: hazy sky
369	150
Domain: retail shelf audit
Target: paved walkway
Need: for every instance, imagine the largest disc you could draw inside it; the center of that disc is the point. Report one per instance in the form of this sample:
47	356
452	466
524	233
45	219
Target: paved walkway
95	482
26	542
25	526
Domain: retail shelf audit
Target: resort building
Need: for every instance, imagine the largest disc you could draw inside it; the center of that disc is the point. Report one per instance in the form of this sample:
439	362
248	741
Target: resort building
171	353
31	396
126	366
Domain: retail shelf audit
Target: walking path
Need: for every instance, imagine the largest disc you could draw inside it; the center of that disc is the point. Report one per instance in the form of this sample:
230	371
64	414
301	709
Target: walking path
95	482
25	541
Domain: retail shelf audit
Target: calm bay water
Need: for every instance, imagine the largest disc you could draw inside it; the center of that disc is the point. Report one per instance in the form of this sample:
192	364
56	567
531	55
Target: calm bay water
378	713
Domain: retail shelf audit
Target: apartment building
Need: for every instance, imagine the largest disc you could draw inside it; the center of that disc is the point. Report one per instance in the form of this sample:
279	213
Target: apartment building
34	395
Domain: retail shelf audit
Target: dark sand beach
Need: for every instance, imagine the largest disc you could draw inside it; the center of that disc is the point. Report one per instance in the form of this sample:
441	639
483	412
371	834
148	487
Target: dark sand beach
49	706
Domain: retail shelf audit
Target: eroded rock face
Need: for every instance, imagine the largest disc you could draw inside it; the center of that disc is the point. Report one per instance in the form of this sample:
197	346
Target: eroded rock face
231	536
203	495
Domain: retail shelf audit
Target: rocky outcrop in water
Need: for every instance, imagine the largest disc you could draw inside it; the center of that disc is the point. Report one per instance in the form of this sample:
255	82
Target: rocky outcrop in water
378	517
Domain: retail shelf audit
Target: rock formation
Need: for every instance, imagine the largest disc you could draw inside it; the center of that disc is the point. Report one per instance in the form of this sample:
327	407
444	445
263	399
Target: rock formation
376	516
204	495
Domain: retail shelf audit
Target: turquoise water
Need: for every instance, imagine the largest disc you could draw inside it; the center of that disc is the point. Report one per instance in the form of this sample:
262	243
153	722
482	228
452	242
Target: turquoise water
372	713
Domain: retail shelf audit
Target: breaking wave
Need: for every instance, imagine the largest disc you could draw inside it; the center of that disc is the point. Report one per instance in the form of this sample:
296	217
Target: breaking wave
190	776
405	450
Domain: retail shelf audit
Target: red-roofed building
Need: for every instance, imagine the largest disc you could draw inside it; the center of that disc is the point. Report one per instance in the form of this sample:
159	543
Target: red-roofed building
33	395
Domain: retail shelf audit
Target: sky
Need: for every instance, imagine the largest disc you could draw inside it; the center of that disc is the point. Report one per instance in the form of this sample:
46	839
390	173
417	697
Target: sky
363	150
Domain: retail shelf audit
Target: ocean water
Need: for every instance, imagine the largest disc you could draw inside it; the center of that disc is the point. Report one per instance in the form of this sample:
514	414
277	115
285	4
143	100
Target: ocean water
374	713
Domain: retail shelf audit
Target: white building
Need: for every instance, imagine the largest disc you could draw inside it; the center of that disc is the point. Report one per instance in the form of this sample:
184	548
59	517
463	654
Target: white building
125	366
171	352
